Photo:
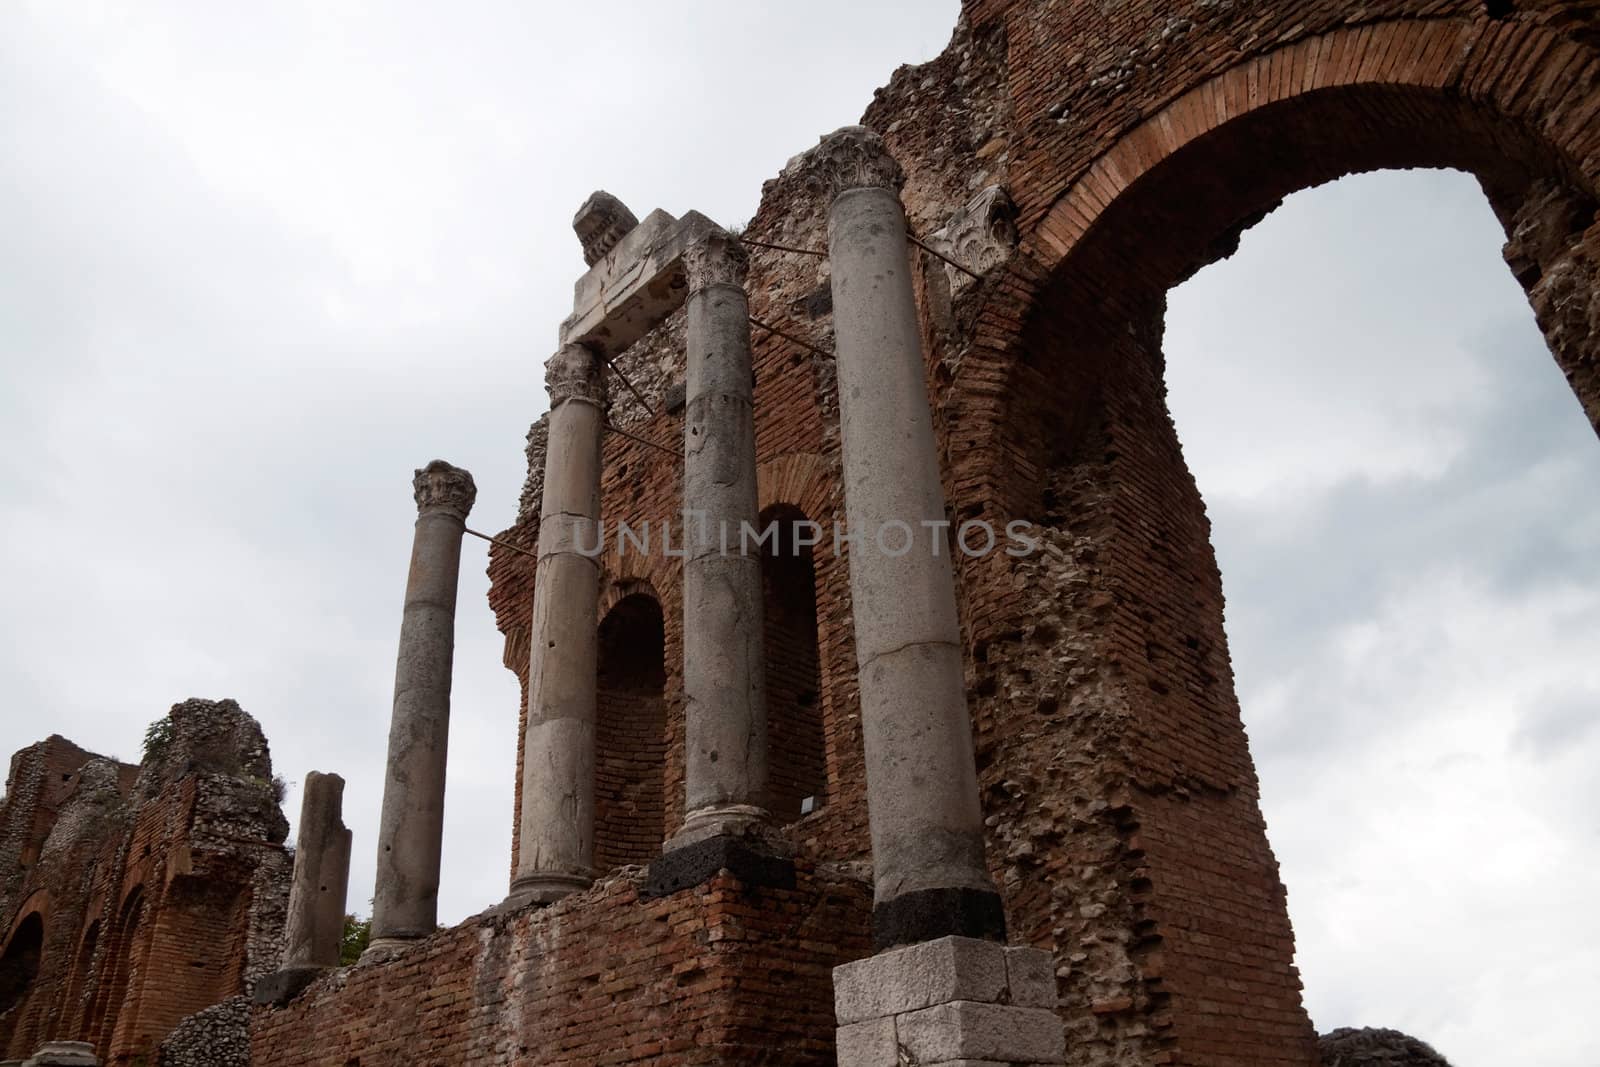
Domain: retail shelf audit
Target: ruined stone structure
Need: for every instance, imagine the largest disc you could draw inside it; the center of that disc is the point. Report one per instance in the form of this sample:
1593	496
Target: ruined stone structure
974	802
133	896
1020	777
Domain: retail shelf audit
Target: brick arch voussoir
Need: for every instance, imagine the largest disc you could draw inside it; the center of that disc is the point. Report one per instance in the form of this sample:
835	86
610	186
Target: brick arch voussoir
37	903
803	480
1545	83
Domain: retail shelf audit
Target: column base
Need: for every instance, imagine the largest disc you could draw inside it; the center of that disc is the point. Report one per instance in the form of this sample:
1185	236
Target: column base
954	1000
753	857
63	1054
383	949
727	820
280	987
544	889
927	914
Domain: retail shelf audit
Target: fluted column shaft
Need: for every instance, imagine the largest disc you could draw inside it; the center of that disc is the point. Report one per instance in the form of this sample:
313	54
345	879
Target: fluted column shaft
556	856
724	676
405	903
922	787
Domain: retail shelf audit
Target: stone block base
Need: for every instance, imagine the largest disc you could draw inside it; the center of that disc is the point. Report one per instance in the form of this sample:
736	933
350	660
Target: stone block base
278	988
746	858
954	1002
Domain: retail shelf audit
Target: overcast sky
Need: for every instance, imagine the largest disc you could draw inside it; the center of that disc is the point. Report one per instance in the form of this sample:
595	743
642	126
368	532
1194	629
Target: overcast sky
260	261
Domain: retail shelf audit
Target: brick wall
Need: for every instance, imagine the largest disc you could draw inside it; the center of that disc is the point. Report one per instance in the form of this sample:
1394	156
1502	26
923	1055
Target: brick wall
719	975
630	735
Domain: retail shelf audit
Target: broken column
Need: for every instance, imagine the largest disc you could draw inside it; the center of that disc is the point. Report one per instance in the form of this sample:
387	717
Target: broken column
405	903
724	681
922	784
314	927
556	856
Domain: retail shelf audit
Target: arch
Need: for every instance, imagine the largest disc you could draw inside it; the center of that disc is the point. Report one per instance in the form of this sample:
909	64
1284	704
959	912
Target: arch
108	1012
80	983
19	967
1111	641
630	733
796	756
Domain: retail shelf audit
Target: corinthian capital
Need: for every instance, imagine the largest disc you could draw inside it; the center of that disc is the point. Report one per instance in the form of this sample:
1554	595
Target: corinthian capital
854	157
716	259
575	373
441	487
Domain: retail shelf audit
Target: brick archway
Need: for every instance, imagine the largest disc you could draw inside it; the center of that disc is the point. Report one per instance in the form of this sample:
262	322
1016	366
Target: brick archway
1163	901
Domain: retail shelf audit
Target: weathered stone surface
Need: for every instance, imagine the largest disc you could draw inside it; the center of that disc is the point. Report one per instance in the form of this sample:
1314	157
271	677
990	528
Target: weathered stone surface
600	223
219	1036
922	786
964	1029
1030	977
321	876
980	237
63	1054
919	976
1376	1047
405	901
637	285
556	813
724	674
869	1044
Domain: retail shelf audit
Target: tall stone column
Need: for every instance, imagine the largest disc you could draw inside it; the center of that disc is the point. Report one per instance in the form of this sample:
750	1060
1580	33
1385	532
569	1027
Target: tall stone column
557	818
405	903
724	675
922	785
724	670
314	928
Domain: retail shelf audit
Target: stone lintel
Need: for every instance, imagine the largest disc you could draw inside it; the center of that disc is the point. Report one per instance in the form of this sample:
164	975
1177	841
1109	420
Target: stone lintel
698	862
636	285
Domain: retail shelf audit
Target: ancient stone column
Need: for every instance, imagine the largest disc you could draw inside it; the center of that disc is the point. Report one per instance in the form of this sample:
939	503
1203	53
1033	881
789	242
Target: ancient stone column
315	923
557	829
724	680
314	926
405	903
922	785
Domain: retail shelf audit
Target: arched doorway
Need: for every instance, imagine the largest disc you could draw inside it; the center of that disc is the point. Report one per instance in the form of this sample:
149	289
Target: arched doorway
630	734
1106	683
19	967
796	760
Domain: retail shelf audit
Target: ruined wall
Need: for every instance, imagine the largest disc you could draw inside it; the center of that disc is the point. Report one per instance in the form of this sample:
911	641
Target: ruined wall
162	887
1084	158
721	974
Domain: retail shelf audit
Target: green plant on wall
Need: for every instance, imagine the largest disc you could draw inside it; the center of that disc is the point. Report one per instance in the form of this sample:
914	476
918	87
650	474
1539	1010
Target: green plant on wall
157	738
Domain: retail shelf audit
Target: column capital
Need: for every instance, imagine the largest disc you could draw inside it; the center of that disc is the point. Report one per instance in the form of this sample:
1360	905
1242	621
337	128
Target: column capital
441	487
854	157
575	373
716	259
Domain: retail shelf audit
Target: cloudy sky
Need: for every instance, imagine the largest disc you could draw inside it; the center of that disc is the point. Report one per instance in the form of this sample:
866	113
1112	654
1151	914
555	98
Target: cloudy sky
258	262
